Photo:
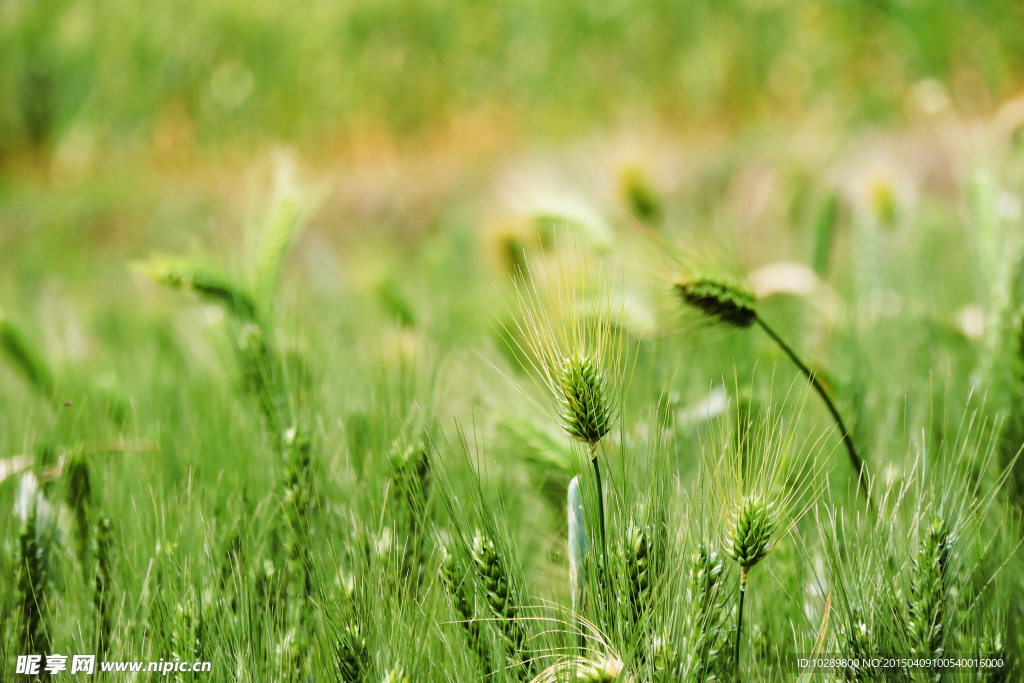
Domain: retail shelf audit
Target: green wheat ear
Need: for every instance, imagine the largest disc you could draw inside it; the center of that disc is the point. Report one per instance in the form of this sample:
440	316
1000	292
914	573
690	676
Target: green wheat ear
35	583
586	409
928	588
352	654
396	675
103	598
750	531
501	597
23	357
79	499
589	668
641	196
747	542
720	299
453	577
706	637
205	283
278	237
601	669
493	577
636	560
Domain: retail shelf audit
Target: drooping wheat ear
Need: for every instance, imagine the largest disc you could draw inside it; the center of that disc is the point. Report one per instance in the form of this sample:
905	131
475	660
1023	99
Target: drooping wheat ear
102	597
205	283
928	590
353	658
706	637
24	358
731	303
500	597
34	579
720	299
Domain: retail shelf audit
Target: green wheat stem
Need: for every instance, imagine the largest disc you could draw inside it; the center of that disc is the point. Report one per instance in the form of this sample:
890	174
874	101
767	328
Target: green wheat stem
600	499
855	460
744	573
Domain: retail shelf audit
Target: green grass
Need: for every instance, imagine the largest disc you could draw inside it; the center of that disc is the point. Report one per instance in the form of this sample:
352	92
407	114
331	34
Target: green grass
292	416
274	483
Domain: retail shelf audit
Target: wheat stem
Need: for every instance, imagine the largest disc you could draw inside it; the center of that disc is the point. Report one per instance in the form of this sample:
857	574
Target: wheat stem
600	499
855	460
744	573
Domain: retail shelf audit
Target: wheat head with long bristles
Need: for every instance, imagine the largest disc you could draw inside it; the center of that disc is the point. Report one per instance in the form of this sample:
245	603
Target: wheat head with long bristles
759	497
571	334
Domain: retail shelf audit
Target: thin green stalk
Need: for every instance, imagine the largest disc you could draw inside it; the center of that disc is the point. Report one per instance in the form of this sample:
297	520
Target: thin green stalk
602	565
744	572
855	460
600	500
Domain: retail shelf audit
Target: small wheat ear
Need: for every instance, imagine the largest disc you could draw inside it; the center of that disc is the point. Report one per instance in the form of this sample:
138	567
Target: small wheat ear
501	596
748	541
285	223
724	301
706	638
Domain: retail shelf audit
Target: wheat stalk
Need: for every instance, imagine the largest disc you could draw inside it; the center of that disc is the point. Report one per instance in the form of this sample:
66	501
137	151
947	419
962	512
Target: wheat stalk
760	497
573	339
731	303
103	597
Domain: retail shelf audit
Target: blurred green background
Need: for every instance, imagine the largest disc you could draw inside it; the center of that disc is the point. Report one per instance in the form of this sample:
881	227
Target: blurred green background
429	140
228	73
124	124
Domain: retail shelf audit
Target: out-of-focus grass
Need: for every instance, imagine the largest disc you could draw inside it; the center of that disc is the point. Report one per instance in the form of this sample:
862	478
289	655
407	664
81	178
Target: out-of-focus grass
125	73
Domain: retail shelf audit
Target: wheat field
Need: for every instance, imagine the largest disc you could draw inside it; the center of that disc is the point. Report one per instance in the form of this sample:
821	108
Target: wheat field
441	341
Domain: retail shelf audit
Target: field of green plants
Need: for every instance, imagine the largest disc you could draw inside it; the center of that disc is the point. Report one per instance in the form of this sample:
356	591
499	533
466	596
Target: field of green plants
453	341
